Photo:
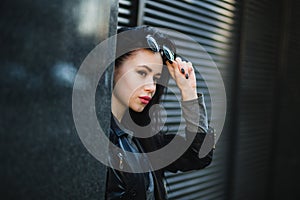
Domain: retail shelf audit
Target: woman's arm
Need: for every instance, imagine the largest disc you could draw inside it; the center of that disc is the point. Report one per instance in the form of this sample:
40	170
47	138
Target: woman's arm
194	112
200	152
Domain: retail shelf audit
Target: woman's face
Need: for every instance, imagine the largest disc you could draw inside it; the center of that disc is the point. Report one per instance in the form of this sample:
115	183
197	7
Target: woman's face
135	80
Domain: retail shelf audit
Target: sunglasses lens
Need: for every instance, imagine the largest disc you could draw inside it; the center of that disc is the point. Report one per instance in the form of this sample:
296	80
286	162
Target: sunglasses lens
168	53
152	43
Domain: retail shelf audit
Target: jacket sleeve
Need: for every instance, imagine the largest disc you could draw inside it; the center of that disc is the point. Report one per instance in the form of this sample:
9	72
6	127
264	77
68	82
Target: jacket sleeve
200	152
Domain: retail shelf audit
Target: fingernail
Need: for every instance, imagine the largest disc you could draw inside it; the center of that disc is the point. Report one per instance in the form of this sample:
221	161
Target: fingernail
186	76
182	70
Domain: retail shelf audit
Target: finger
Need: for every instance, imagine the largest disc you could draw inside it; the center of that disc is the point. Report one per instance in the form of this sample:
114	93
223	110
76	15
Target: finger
179	64
191	70
180	69
171	69
184	69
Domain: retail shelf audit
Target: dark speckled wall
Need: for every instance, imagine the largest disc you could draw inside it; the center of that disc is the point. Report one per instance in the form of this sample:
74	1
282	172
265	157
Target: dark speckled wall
42	46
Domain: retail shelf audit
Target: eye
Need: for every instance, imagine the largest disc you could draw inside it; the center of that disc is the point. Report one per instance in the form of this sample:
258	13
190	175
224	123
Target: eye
142	73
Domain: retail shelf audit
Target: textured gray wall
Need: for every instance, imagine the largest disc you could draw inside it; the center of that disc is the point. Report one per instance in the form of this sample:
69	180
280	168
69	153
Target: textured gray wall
42	46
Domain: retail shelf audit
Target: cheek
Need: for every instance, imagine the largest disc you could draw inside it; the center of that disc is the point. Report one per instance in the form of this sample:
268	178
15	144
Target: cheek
126	87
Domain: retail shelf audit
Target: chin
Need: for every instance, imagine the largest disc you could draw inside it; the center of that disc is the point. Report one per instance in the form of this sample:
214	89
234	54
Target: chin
138	109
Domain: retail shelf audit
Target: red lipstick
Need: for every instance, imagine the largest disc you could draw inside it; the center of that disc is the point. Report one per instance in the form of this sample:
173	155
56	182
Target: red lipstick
145	99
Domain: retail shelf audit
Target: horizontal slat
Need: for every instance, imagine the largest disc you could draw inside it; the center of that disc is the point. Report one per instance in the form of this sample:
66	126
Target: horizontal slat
190	9
123	3
224	5
124	11
123	20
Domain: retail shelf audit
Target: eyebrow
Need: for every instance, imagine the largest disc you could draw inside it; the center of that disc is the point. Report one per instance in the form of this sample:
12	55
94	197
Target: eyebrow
148	68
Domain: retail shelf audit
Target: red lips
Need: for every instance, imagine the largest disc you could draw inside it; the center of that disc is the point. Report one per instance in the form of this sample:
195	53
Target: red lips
145	99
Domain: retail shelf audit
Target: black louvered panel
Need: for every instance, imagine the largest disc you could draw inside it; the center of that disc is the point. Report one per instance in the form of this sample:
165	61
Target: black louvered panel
127	13
188	185
257	98
124	13
213	25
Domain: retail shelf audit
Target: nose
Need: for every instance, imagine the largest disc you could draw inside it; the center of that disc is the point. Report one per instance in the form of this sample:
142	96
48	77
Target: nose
150	86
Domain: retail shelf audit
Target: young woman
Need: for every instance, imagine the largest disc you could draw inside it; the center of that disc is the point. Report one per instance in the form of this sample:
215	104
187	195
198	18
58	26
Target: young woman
140	79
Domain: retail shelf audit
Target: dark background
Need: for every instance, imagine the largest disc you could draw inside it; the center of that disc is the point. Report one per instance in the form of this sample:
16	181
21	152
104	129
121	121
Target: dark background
42	47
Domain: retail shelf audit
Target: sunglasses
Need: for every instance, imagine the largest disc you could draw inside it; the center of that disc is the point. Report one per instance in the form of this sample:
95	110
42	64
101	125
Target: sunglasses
166	53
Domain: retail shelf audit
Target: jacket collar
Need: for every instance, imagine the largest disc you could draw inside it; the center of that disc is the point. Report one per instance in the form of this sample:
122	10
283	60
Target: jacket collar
118	128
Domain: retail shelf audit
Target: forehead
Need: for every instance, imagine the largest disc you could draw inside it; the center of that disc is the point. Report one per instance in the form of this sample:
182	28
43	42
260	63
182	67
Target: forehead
145	57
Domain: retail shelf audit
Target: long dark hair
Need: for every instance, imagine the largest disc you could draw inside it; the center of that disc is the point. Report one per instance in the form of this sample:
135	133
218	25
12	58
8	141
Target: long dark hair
139	39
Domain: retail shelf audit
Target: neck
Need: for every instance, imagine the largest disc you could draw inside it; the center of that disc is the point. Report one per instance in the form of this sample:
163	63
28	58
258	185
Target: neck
118	109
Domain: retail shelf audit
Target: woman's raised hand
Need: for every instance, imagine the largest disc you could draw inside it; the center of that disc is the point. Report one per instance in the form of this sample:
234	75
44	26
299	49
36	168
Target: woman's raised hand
184	75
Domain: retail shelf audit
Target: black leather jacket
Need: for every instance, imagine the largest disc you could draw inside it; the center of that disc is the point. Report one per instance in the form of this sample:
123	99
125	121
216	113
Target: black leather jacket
125	185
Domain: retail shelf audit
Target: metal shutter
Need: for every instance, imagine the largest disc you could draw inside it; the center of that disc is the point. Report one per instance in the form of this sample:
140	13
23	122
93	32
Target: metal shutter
127	13
257	98
213	25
